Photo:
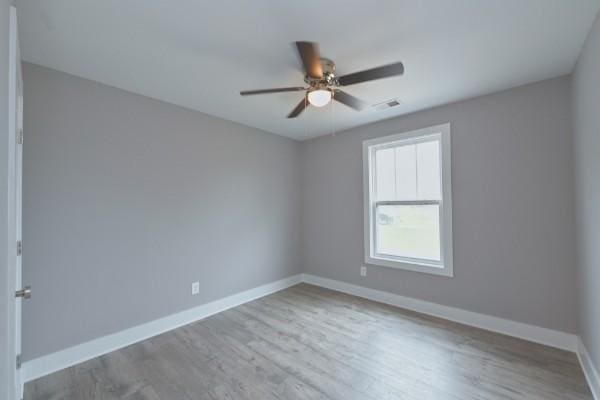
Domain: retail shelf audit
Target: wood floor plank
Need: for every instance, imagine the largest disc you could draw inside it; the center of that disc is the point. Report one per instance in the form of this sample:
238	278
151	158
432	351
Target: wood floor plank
310	343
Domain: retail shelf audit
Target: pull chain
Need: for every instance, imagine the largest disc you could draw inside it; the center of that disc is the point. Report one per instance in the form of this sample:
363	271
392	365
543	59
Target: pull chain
305	117
332	114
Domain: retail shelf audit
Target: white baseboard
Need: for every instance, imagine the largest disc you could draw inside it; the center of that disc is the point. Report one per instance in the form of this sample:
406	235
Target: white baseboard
47	364
548	337
590	371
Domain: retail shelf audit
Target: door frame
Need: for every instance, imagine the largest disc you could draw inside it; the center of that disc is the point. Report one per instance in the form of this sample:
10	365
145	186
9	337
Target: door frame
15	87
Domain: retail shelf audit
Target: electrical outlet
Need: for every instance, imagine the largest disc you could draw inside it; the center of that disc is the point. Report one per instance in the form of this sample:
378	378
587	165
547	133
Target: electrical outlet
363	271
195	288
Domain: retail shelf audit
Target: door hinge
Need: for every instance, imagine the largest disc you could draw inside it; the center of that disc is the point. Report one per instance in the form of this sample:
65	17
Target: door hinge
19	247
19	361
20	136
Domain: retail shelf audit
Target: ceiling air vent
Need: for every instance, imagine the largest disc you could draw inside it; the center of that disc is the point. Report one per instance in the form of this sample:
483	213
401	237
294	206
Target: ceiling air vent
386	104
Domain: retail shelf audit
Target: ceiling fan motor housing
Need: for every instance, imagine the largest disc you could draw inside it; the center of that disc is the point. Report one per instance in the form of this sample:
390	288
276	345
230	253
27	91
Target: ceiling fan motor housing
328	79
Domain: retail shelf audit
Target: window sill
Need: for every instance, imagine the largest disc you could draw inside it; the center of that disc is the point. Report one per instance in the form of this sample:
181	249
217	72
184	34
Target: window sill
433	269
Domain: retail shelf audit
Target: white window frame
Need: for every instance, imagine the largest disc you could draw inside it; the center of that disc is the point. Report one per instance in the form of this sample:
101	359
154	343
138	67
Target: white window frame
445	266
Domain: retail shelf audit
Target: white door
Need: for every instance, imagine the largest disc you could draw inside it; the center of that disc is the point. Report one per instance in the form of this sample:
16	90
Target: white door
15	188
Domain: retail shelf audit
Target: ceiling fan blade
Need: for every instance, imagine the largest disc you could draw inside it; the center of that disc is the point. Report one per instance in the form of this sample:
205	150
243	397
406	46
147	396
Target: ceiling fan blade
311	58
298	109
349	100
275	90
371	74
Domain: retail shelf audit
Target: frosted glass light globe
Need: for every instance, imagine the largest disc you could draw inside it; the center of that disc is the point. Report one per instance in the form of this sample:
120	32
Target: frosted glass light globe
319	98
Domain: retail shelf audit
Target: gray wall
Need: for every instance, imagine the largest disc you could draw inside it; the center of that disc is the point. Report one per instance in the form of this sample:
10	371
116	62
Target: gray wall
6	289
513	207
586	101
127	200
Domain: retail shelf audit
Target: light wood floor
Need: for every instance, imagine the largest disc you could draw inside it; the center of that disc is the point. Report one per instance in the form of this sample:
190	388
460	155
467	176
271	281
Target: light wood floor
310	343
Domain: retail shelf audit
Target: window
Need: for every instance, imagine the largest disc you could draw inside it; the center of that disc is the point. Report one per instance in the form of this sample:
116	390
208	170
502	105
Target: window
408	209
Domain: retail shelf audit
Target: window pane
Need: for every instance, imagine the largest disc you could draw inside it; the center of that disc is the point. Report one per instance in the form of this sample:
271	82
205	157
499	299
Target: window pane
428	170
406	172
385	180
409	231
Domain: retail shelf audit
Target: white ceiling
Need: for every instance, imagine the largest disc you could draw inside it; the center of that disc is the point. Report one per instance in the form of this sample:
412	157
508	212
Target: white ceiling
200	54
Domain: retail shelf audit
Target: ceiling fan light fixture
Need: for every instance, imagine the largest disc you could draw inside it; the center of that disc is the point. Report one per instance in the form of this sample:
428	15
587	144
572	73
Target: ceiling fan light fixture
323	82
319	97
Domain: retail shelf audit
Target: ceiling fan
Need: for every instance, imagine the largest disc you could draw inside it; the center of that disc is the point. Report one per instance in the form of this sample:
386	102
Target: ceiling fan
323	84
